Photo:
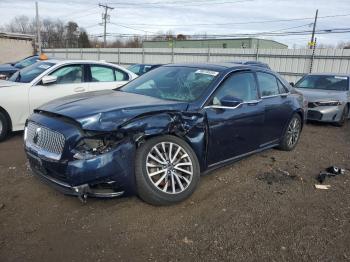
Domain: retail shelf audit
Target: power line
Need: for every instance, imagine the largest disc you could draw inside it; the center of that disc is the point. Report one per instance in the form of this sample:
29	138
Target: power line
283	29
136	29
84	15
90	26
244	23
72	14
233	36
167	4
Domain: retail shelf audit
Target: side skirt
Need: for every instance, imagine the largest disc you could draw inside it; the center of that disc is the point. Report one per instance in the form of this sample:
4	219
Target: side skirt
226	162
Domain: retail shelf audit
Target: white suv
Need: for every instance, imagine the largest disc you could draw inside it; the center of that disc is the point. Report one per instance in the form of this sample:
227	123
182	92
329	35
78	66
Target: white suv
44	81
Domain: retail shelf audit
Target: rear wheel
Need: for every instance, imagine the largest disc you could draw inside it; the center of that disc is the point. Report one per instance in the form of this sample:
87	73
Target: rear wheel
4	128
167	170
292	134
344	116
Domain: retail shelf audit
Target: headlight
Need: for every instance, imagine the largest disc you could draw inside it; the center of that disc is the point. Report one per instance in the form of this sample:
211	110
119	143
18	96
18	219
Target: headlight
89	148
328	103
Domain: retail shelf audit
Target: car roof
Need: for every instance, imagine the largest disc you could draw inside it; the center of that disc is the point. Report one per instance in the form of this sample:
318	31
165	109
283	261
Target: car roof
65	61
218	66
147	64
328	74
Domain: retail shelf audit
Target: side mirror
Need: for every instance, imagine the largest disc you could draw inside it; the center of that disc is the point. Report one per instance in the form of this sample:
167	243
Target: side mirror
49	79
292	83
230	101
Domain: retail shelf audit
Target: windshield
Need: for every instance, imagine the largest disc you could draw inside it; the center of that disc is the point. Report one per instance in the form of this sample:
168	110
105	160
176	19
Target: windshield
325	82
172	83
26	62
28	74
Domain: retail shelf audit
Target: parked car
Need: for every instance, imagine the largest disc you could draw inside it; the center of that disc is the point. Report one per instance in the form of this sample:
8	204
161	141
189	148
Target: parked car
43	81
7	70
328	97
155	135
140	69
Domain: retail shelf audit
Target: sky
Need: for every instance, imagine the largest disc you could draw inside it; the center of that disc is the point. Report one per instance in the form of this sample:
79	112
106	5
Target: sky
211	17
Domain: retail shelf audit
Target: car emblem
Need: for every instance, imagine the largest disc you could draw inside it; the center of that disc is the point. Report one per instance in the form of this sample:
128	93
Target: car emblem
36	135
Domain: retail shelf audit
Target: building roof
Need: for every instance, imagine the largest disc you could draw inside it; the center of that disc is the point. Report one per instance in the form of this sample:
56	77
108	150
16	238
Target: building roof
216	40
16	36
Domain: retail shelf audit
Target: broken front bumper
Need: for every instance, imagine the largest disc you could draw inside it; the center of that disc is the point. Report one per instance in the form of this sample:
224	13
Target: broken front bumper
325	113
82	191
107	175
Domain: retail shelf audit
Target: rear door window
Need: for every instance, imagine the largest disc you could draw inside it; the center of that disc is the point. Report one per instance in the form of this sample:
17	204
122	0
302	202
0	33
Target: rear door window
268	84
120	75
281	87
102	74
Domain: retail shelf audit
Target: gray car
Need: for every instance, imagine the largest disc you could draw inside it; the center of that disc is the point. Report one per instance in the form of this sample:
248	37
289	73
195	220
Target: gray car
328	97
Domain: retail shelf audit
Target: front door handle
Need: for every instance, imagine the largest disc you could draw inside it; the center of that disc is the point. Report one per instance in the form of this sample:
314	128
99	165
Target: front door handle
253	102
79	89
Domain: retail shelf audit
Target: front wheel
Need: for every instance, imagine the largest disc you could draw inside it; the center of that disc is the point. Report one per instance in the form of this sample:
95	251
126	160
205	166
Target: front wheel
292	134
166	169
3	127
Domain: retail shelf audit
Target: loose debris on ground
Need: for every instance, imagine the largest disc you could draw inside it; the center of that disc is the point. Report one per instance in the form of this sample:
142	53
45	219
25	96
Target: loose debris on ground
279	176
331	171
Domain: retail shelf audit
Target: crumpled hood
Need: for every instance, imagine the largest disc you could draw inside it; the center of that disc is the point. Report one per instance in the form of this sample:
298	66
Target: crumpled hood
5	83
107	110
315	95
8	68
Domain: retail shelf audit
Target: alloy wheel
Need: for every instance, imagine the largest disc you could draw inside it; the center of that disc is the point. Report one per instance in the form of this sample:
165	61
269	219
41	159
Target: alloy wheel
293	132
169	167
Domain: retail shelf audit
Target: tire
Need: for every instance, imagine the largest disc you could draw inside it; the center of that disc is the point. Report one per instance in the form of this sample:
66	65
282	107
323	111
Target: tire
157	180
343	117
4	127
292	134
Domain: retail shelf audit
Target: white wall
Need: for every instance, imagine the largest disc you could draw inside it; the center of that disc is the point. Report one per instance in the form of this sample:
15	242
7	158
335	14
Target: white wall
12	50
290	63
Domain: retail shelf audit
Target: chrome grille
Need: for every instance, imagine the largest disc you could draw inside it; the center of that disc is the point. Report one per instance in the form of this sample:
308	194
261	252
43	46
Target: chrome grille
48	142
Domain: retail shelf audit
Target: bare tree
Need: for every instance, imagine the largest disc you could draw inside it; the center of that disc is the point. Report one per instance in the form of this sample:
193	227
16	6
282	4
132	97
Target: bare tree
54	33
21	24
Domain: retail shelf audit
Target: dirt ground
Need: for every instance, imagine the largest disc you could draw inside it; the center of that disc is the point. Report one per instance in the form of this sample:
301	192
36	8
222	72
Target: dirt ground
249	211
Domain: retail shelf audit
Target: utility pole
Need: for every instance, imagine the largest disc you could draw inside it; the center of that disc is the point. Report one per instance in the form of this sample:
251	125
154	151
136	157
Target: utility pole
38	28
105	18
312	43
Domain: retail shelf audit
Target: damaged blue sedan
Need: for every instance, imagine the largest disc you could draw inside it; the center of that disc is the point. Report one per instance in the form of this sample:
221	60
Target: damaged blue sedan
157	134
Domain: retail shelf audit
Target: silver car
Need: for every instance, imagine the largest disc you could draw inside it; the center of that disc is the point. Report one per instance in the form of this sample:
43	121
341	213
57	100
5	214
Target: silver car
328	97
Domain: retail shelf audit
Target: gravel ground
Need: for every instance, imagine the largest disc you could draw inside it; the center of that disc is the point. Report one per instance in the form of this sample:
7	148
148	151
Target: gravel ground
252	210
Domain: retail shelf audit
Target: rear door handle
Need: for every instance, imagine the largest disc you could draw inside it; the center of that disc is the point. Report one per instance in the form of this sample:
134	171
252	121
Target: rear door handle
79	89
